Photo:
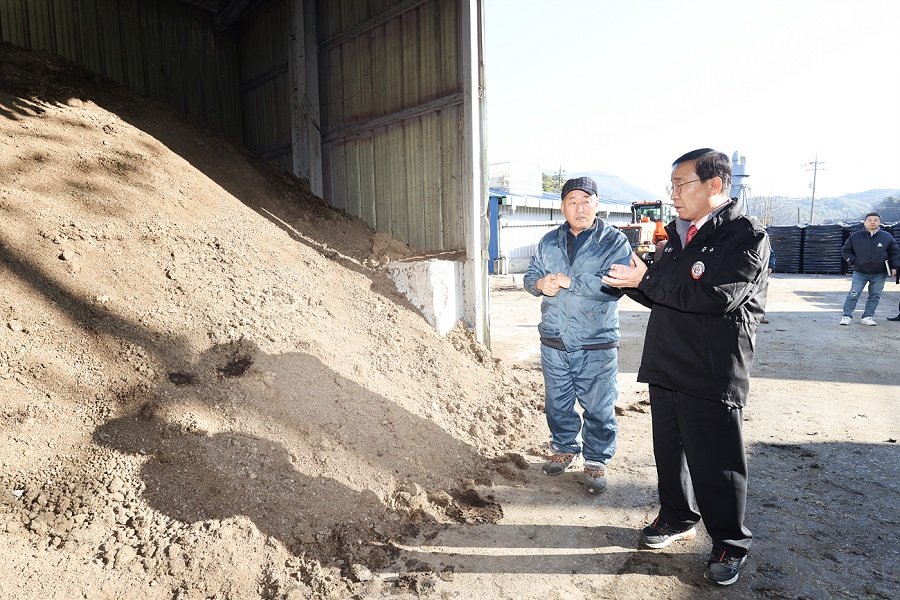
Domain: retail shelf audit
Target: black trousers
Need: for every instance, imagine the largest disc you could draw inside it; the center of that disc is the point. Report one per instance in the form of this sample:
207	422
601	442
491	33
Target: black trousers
701	465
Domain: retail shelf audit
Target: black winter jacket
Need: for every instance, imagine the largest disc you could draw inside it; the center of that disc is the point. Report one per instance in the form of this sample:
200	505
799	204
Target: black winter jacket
867	253
706	300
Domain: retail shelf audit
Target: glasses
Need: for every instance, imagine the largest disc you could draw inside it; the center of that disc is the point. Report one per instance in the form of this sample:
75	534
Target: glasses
672	188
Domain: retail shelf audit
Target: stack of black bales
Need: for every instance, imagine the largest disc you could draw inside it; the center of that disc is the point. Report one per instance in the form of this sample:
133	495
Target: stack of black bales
787	246
822	249
853	227
849	229
894	230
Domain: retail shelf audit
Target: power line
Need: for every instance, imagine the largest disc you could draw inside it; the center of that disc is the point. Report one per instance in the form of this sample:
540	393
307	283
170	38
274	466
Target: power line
815	169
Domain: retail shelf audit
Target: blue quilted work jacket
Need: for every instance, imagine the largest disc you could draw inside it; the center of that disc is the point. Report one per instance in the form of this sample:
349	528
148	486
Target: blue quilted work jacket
585	314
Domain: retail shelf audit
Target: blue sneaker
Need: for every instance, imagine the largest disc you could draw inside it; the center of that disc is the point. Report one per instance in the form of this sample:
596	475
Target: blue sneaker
723	567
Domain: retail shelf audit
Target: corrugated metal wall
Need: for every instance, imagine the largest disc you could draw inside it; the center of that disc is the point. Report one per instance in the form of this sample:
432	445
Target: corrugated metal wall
391	90
264	42
392	116
521	230
164	49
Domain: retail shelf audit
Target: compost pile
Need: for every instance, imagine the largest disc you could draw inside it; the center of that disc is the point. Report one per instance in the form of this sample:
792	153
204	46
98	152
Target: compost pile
207	388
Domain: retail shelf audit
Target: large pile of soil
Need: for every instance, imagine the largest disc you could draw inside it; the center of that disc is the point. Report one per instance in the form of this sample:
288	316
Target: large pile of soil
208	391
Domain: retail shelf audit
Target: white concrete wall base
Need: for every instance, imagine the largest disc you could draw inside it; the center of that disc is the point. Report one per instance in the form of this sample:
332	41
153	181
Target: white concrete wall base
518	265
433	286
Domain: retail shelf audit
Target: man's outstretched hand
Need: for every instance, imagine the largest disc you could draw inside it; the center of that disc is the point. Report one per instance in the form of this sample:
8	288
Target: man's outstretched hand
626	276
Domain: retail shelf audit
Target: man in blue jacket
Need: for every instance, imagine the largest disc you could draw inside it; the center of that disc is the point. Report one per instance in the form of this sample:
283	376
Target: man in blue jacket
579	332
872	252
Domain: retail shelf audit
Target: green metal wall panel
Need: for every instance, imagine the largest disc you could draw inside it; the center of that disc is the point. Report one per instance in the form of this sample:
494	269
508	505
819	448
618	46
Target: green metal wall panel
133	64
63	29
432	194
153	53
38	18
414	166
90	51
14	22
391	89
263	44
164	49
110	40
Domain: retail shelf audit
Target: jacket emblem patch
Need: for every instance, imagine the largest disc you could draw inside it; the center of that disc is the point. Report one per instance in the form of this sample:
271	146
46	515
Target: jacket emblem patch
698	269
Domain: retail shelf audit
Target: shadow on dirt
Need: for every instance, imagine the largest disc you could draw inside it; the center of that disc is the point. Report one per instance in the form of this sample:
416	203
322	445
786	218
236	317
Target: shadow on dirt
819	512
303	482
325	439
194	476
92	318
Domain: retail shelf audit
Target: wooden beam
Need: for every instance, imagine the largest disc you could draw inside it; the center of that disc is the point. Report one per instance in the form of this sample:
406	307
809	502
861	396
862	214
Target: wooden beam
376	21
363	127
306	139
207	5
474	188
232	11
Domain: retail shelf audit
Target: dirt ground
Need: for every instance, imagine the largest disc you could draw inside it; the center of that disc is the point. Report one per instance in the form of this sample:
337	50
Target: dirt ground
821	432
210	390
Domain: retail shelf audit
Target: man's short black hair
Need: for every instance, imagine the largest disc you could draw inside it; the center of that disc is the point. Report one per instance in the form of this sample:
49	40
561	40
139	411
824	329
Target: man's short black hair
710	163
873	214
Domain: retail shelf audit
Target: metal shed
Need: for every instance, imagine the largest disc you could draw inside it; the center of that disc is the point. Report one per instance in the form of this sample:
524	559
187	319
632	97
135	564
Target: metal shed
517	221
377	103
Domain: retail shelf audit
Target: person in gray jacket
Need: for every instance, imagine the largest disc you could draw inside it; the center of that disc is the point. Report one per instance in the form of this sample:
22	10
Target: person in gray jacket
579	332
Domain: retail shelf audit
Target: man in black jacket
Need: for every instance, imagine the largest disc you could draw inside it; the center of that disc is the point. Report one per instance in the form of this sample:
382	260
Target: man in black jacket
872	252
707	294
897	281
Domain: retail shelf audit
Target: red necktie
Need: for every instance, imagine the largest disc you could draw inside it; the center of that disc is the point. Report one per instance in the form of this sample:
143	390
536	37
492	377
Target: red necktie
692	231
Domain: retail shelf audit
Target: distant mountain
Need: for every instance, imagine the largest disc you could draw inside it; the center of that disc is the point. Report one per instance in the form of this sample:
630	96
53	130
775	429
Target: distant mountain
612	186
781	210
871	196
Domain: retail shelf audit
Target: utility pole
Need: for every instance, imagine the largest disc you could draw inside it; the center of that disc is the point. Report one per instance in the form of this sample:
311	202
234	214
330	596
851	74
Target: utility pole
766	214
815	169
559	180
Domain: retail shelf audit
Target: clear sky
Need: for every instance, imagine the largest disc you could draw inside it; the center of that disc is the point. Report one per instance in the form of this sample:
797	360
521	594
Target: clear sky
627	86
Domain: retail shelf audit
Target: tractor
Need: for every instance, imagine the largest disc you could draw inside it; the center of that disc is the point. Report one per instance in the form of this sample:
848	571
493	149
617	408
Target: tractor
646	233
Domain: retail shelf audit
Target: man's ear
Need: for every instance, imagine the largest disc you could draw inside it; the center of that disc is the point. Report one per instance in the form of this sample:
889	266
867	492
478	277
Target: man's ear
716	185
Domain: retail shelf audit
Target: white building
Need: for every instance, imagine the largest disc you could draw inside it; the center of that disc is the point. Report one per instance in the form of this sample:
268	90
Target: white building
518	221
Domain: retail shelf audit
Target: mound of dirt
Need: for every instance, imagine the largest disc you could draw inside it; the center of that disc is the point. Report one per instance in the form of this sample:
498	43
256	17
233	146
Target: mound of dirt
209	389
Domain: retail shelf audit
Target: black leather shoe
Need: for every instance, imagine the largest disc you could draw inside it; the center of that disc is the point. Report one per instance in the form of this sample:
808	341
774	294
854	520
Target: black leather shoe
897	318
